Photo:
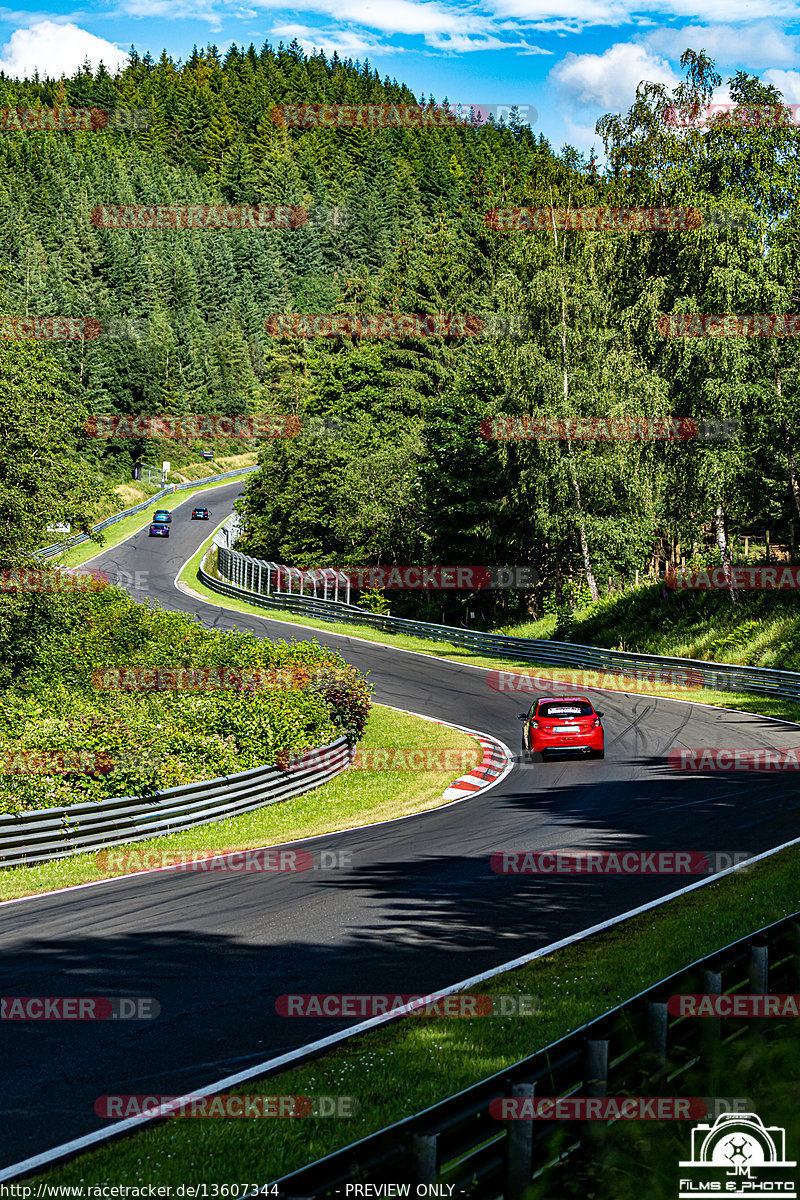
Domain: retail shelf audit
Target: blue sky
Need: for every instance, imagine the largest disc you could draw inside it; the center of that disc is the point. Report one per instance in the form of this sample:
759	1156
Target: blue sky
570	60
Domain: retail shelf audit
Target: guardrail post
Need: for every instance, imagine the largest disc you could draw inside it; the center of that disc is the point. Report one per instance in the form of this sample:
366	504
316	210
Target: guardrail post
656	1039
595	1067
424	1153
519	1149
759	983
759	969
710	1034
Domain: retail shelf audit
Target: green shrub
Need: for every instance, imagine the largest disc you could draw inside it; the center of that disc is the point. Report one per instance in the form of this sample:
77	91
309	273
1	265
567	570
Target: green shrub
124	741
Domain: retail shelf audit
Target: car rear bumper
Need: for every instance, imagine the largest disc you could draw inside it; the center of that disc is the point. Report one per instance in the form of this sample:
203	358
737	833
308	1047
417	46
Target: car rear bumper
594	740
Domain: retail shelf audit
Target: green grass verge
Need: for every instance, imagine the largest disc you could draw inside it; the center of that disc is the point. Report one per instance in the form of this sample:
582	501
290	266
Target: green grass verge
396	1071
354	798
767	706
115	534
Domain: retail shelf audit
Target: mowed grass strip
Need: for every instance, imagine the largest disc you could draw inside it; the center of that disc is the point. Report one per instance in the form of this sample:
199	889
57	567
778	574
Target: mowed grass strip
400	1069
354	798
575	678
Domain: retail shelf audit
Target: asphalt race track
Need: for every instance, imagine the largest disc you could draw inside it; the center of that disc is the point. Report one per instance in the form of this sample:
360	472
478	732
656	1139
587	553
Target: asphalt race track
419	909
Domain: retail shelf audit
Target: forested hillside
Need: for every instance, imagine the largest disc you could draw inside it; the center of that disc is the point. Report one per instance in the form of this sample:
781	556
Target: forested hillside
409	478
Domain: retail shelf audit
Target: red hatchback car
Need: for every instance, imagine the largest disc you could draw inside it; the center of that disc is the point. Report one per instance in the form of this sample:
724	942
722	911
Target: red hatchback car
562	723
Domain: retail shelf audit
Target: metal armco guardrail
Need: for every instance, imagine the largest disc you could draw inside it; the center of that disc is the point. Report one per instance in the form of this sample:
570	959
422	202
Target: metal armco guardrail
78	538
635	1049
32	837
241	576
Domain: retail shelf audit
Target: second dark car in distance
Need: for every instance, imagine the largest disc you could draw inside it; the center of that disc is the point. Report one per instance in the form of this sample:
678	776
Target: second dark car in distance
557	723
158	530
200	514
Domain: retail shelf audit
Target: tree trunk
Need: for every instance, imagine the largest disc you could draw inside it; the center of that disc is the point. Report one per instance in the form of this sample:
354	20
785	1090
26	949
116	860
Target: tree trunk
722	543
794	479
587	558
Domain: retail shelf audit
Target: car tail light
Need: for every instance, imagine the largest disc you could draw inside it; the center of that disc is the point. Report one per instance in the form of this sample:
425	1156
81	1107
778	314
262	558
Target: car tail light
596	723
534	724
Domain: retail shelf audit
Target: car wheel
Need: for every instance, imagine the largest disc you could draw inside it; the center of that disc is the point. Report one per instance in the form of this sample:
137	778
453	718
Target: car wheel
525	754
599	753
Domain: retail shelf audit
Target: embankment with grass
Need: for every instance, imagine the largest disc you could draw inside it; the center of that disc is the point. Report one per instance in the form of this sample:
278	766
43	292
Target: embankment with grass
759	629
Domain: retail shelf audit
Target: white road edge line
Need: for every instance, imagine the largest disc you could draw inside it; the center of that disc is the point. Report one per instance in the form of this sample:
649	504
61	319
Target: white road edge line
27	1165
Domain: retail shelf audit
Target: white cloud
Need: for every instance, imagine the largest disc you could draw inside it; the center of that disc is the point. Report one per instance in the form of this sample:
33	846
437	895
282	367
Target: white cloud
759	44
787	83
346	43
608	81
56	50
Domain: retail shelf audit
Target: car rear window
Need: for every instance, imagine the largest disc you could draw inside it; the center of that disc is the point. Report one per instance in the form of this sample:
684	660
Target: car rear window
566	708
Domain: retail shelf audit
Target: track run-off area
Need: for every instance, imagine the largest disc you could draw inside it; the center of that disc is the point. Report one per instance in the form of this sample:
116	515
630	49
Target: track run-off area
419	907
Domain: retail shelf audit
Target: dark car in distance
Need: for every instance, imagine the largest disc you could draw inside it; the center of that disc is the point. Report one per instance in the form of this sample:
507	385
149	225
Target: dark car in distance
200	514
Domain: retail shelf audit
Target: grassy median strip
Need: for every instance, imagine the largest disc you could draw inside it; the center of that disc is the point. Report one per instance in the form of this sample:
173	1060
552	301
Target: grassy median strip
356	797
574	677
435	1057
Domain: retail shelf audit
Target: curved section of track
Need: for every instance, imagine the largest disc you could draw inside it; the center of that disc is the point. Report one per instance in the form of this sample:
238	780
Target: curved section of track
419	908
